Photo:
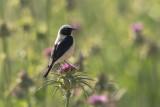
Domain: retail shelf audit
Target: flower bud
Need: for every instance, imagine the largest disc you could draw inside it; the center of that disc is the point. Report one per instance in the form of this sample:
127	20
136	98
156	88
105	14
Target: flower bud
4	31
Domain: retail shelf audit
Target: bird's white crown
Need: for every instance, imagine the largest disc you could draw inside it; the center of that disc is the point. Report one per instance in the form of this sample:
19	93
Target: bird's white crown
65	26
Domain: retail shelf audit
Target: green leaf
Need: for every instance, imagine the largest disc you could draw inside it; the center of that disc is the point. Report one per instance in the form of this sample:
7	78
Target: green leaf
84	91
57	74
45	85
48	81
84	82
85	78
54	92
82	75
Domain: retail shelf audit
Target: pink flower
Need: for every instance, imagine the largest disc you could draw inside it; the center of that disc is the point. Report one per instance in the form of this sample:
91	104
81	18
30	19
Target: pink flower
98	99
77	25
47	52
137	27
67	67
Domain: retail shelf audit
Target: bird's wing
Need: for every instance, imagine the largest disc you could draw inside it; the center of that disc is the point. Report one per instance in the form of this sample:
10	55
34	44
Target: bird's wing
61	48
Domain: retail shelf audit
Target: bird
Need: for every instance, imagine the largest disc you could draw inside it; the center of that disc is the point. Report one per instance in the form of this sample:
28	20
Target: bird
63	47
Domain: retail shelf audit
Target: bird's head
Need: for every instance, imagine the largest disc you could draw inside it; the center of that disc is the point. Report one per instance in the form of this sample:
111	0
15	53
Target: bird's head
66	30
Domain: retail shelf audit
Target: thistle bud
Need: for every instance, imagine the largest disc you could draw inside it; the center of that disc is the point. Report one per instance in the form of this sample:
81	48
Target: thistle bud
95	49
23	80
4	31
70	5
149	50
102	83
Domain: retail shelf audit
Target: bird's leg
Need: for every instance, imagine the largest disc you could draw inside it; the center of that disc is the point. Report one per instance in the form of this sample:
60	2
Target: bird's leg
67	63
60	66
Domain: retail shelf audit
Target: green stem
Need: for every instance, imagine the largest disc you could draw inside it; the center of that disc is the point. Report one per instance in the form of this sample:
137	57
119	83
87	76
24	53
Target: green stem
1	9
155	80
6	77
33	12
28	100
6	64
48	17
67	98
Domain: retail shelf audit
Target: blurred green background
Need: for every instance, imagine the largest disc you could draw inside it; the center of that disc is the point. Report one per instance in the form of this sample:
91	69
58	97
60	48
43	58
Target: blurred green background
28	27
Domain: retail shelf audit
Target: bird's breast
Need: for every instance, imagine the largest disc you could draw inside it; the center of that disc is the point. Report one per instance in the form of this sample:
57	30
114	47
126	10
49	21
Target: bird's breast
67	54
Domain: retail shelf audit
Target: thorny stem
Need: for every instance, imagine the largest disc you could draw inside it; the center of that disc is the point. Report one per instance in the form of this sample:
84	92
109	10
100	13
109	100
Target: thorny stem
67	98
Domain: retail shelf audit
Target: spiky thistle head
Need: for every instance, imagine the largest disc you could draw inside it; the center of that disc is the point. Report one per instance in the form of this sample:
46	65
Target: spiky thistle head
67	78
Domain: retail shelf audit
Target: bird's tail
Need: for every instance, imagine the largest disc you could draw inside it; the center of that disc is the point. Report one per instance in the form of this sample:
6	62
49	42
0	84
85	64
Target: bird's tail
48	70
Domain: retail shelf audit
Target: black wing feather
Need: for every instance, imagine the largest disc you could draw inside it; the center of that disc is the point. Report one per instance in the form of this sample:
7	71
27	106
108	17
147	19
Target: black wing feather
62	47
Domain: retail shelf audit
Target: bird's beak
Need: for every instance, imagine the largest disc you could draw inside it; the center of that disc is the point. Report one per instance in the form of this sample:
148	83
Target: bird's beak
74	29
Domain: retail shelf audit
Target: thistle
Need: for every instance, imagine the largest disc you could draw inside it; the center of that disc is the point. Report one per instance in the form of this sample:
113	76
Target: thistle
136	34
68	78
24	83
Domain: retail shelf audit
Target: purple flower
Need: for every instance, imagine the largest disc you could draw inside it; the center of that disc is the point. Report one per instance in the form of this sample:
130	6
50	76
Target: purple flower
77	25
47	52
67	67
137	27
98	99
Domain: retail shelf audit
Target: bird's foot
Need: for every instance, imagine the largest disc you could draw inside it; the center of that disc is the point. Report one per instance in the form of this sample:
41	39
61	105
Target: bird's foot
60	66
68	63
